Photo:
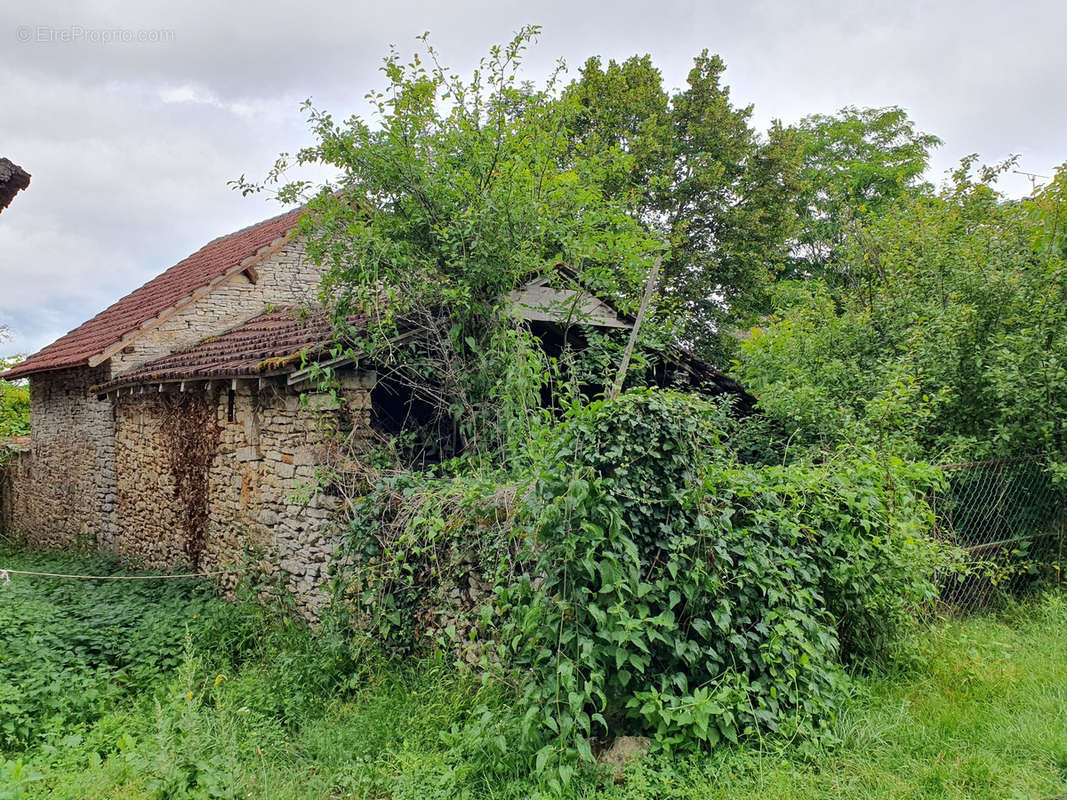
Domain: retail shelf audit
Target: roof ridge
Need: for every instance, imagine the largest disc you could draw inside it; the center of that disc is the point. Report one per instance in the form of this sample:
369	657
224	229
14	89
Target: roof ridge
245	229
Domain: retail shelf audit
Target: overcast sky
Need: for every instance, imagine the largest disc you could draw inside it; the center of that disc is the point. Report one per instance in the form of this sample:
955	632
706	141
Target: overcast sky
131	144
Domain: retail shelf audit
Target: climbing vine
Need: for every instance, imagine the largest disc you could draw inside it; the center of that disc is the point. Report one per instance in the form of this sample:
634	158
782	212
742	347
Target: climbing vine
189	430
645	579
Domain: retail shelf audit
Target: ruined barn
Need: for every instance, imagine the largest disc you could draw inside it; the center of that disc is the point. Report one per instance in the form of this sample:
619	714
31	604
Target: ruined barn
181	425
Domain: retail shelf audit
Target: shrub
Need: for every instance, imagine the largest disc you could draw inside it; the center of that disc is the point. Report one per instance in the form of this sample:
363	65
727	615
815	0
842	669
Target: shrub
14	402
677	593
653	576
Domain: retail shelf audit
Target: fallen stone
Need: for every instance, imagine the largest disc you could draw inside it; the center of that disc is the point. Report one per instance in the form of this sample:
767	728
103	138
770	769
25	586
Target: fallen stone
624	750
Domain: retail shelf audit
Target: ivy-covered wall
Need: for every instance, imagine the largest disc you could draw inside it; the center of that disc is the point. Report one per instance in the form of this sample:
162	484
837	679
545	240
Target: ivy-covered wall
200	489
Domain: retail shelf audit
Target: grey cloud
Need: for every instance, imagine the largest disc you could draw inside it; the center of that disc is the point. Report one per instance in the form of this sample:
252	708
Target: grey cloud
131	144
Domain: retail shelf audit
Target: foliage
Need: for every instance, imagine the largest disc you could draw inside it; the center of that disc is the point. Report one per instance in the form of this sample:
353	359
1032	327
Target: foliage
103	640
678	594
947	339
656	566
691	168
647	580
451	195
413	541
855	165
972	716
1048	209
971	708
14	402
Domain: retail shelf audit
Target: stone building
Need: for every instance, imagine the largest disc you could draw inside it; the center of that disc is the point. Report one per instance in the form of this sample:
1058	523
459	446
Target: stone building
179	425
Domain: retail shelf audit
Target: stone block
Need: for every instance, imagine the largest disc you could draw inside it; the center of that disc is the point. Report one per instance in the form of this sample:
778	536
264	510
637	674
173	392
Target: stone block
309	456
268	517
322	401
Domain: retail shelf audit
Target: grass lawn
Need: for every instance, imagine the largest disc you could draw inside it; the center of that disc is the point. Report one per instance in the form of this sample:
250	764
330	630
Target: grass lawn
122	690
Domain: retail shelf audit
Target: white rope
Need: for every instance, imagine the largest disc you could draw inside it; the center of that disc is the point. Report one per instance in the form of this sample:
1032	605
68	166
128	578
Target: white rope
6	573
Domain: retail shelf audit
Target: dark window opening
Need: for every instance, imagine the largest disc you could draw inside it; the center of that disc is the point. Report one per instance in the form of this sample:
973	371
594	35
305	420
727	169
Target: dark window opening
231	397
592	370
421	433
407	412
595	366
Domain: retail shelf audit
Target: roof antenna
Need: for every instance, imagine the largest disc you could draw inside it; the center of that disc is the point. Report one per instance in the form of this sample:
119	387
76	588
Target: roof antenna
1033	176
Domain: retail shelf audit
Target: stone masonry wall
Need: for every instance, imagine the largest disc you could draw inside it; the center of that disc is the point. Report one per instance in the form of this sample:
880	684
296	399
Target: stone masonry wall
258	483
101	473
12	468
282	279
65	491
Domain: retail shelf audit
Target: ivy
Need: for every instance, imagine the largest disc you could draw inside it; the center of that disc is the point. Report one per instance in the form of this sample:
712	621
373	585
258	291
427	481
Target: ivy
648	581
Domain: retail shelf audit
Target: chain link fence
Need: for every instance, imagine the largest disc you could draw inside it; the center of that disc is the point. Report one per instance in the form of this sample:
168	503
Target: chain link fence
1010	519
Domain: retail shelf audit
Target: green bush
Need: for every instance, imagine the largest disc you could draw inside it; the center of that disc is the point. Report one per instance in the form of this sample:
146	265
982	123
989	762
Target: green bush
14	402
655	574
943	336
675	592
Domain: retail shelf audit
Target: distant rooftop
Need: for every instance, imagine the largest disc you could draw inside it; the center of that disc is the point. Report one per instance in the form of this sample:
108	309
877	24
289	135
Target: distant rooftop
13	179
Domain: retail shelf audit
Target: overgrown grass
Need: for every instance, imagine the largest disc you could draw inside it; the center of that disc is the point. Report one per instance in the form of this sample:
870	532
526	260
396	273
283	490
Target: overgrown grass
231	701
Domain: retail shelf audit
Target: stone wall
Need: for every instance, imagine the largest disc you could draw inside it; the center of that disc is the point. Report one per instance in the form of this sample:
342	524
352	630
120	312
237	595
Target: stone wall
12	467
284	278
258	481
65	493
106	474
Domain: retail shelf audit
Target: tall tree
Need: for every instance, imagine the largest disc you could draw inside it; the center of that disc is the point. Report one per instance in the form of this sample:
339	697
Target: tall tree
448	197
14	398
691	167
948	338
854	165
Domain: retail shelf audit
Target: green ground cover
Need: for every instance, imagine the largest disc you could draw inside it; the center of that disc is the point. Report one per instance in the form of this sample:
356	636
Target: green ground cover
158	690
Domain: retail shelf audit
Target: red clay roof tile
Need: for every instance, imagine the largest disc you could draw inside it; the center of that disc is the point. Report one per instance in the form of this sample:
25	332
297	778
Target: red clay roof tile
270	343
158	295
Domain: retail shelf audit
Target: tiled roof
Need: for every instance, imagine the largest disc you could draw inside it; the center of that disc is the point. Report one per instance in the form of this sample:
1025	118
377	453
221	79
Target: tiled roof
270	343
170	290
